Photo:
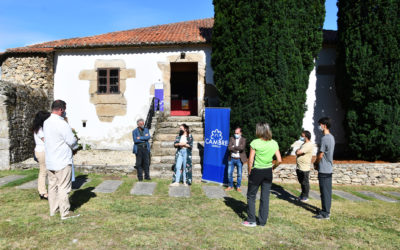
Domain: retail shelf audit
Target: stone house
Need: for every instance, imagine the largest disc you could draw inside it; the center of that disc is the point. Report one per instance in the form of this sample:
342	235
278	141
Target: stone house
109	80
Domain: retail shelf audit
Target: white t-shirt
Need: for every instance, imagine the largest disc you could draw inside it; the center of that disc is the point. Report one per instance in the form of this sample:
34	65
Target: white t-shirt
38	140
237	154
183	139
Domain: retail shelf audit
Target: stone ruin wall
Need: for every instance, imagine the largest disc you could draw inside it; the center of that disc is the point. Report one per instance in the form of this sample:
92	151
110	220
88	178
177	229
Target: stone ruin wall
18	106
34	70
370	174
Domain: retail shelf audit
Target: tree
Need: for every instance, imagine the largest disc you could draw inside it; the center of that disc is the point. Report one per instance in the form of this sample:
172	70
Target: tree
368	79
263	53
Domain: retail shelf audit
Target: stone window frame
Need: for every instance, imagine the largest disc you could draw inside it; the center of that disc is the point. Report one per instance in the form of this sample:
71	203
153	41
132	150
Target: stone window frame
108	81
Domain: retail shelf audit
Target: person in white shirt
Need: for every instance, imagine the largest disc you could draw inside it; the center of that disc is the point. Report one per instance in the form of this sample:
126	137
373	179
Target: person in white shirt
38	135
59	141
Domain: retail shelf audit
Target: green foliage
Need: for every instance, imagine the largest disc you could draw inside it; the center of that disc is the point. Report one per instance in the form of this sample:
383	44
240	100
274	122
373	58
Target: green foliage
368	76
263	53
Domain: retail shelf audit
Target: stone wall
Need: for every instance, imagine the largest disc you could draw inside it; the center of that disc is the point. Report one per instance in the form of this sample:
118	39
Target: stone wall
18	106
350	174
31	70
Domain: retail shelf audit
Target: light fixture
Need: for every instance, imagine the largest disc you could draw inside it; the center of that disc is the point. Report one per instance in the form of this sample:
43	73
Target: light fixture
183	55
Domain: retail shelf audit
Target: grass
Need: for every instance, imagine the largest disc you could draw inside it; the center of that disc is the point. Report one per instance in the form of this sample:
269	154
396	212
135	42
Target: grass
120	220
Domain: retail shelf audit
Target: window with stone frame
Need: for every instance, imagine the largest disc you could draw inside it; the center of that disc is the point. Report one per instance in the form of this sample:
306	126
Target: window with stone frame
108	81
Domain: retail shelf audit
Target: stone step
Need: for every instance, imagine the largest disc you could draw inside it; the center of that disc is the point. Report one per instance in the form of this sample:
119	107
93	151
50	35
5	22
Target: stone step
170	144
171	137
177	124
168	167
168	174
171	151
184	118
171	159
195	130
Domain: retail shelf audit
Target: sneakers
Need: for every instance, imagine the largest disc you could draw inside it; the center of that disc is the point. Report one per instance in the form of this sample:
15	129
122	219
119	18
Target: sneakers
249	224
70	215
175	184
321	217
304	199
185	184
239	190
228	188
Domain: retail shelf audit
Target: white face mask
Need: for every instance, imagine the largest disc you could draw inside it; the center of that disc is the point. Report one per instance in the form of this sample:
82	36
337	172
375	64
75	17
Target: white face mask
237	136
320	128
302	139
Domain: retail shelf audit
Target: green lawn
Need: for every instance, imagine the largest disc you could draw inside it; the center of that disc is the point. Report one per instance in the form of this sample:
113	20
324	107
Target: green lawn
120	220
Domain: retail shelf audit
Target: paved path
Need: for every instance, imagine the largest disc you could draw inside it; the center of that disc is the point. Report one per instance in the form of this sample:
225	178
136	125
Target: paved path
10	178
377	196
314	195
347	196
107	186
180	191
29	185
214	192
244	192
397	194
144	188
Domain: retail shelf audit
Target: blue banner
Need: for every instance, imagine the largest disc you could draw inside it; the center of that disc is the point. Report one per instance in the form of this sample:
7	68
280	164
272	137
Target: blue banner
216	139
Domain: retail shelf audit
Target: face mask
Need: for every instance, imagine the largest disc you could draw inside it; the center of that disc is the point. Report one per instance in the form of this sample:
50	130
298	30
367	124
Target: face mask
320	128
237	136
301	138
63	114
141	126
180	132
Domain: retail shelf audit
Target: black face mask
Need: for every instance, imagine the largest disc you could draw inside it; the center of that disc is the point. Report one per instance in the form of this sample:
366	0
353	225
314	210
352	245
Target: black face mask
180	132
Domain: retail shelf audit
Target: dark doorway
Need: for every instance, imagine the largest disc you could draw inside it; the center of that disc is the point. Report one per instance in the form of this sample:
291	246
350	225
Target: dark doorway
184	89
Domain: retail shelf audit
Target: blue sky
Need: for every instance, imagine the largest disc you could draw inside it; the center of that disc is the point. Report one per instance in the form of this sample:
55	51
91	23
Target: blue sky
24	22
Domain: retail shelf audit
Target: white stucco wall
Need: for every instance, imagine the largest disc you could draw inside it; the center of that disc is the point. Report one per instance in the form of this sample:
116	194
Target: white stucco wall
323	101
114	135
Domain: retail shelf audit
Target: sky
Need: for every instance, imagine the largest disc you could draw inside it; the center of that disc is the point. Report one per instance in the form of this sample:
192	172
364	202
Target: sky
25	22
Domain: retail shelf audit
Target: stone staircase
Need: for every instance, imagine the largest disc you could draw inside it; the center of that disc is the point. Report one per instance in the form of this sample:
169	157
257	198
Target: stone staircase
163	151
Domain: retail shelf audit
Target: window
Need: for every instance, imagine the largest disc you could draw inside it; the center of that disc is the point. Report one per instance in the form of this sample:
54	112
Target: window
108	81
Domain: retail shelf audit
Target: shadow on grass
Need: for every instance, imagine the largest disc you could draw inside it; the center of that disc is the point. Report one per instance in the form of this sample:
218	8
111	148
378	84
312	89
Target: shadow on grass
79	181
238	206
80	197
282	194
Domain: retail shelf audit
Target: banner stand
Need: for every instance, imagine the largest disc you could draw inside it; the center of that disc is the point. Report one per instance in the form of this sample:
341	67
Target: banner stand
216	139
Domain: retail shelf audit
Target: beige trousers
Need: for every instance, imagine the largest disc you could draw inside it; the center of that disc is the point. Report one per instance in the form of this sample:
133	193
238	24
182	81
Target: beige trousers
42	173
59	187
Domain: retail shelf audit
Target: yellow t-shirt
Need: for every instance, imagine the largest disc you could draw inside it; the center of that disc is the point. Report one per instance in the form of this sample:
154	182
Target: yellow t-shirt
304	161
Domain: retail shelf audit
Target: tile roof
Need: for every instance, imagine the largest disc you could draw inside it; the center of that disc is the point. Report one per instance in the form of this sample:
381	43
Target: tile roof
189	32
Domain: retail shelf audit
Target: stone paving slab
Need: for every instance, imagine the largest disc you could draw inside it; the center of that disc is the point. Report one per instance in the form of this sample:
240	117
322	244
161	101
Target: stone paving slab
377	196
347	196
180	191
7	179
397	194
78	183
29	185
107	186
244	193
314	195
214	192
144	188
